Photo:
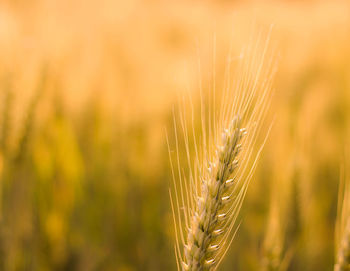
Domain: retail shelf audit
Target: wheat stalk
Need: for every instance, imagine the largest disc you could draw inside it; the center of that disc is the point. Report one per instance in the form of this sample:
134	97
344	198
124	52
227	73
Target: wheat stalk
206	202
274	257
343	226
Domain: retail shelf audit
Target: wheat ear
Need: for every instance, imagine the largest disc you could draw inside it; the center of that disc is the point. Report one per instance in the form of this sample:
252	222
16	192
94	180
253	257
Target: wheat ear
204	232
206	201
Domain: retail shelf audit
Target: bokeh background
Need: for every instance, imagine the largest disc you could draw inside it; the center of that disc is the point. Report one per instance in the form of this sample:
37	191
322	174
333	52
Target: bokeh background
87	89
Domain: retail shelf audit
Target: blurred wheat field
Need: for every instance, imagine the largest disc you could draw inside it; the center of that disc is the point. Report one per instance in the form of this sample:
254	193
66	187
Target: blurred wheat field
87	89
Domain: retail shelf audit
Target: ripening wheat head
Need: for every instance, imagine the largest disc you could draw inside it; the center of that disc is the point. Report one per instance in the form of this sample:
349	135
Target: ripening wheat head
342	240
206	200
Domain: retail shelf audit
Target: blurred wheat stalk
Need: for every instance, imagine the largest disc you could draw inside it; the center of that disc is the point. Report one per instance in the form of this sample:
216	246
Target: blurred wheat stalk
206	203
342	240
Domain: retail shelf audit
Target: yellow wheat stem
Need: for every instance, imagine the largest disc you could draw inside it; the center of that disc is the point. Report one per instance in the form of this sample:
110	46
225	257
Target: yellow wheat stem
343	225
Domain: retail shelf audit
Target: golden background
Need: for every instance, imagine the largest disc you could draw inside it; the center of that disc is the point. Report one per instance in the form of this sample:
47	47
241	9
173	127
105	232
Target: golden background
87	89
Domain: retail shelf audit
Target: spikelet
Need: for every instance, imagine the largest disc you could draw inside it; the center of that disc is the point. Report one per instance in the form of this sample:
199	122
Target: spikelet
206	202
342	257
